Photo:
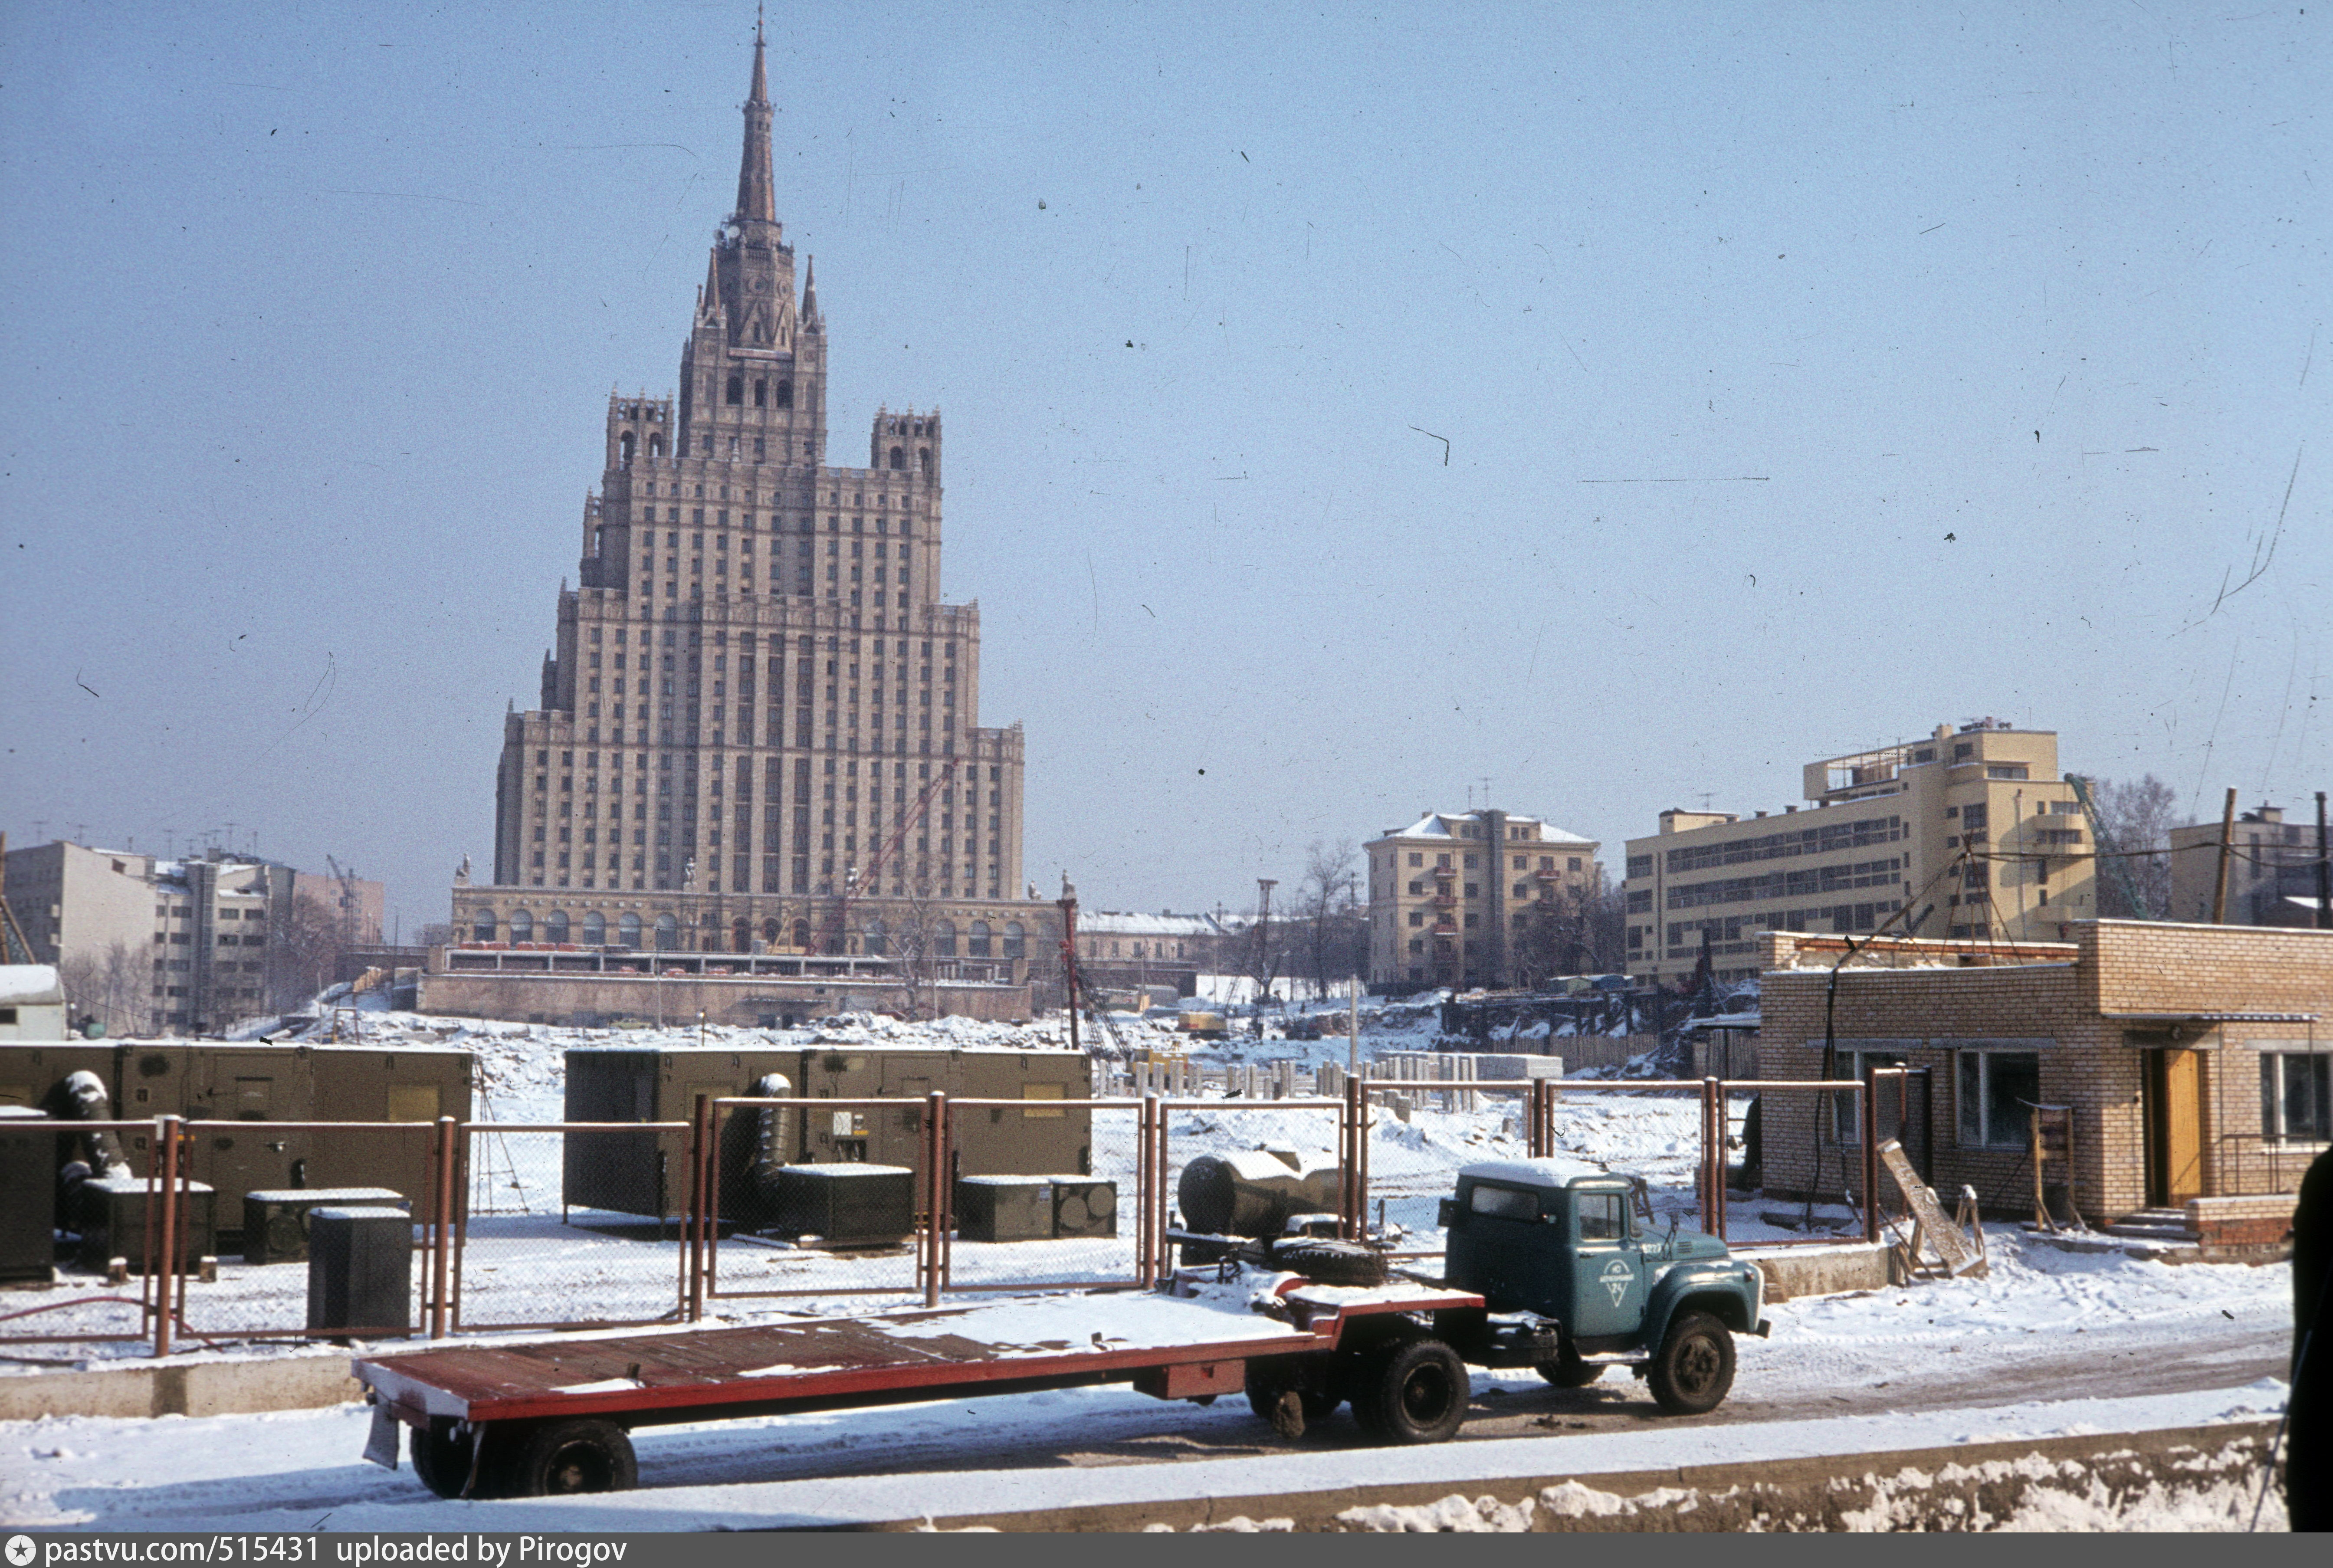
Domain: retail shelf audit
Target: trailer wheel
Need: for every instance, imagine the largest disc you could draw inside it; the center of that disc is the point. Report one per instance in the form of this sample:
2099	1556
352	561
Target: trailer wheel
441	1460
1415	1391
1568	1370
559	1458
1694	1369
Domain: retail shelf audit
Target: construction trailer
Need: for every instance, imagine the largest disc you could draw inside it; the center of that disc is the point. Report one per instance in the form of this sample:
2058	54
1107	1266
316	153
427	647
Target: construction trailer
648	1172
225	1087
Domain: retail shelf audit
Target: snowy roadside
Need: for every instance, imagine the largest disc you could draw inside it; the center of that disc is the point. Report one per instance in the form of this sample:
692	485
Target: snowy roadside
300	1472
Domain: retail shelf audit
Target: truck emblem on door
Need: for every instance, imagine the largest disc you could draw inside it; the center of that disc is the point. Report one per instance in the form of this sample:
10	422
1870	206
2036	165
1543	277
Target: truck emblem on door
1616	1278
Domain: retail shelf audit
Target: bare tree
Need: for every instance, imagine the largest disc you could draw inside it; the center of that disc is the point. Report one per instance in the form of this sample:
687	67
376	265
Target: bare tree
1335	933
2133	826
437	934
910	940
304	945
1572	931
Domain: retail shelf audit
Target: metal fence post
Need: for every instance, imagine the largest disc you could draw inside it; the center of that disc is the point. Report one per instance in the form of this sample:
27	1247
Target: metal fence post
693	1232
936	1185
1870	1150
169	1259
442	1222
1146	1273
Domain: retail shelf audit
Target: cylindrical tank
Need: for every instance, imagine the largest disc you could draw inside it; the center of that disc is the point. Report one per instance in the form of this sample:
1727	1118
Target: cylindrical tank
1254	1194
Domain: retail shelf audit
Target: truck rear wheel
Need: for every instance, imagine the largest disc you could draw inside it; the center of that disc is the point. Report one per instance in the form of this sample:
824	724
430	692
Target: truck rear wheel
1694	1369
1414	1391
561	1458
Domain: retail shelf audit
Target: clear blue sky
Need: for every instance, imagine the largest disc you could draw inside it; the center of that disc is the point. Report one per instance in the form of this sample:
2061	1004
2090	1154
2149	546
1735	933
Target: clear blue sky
2013	313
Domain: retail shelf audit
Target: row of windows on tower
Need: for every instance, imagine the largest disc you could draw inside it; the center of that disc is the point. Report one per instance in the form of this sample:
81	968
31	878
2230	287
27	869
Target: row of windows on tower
766	394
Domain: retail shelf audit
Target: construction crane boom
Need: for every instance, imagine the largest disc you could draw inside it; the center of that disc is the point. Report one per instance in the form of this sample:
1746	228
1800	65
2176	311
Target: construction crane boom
835	937
2110	851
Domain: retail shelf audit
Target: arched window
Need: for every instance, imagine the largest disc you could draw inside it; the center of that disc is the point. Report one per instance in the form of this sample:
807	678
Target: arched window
656	444
924	459
668	934
554	929
522	928
741	937
944	939
875	937
627	933
595	929
761	393
482	926
785	392
770	932
1016	941
736	389
802	936
899	459
624	445
980	939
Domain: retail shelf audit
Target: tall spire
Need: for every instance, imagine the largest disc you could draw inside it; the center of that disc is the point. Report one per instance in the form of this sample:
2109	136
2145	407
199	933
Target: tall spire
809	290
755	198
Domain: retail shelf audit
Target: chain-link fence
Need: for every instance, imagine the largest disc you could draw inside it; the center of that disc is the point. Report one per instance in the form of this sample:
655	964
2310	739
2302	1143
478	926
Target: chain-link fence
803	1199
122	1196
565	1224
1049	1195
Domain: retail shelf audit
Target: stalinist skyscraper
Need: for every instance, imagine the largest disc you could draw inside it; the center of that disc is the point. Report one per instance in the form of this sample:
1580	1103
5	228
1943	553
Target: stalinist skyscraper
760	727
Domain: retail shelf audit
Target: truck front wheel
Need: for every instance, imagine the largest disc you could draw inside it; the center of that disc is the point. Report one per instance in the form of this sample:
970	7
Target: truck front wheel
1414	1391
1694	1369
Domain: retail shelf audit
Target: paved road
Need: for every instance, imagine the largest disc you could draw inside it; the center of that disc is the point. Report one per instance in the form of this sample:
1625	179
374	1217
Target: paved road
1777	1383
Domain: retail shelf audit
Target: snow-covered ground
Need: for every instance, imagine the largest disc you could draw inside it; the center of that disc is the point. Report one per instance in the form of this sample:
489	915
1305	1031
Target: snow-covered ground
302	1470
2046	1326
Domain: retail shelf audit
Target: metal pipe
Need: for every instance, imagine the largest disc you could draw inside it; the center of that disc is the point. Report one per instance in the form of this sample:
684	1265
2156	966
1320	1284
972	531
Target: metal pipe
700	1136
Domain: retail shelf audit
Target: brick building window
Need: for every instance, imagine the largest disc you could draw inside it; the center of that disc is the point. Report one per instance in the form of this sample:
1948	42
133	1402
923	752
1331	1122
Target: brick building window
1847	1104
2297	1096
1996	1092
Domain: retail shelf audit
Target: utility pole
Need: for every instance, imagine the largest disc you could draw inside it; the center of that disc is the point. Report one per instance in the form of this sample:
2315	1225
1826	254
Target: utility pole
1068	904
1263	886
2227	847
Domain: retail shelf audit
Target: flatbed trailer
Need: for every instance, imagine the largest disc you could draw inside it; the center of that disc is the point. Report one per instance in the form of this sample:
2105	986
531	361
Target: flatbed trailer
552	1417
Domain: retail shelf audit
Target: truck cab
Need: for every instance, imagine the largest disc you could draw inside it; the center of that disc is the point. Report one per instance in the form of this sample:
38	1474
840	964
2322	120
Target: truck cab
1560	1257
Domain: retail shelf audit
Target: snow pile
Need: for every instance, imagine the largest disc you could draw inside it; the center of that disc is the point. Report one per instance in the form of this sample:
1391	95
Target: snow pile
1452	1515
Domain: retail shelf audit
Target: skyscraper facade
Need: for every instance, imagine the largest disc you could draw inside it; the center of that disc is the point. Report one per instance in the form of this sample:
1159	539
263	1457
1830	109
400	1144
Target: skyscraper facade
759	729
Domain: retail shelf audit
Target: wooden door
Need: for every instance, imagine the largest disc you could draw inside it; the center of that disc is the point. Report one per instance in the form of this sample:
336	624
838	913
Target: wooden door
2174	1133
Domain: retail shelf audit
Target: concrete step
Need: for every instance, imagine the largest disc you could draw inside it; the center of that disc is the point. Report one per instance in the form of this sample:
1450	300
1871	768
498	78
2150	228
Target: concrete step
2154	1225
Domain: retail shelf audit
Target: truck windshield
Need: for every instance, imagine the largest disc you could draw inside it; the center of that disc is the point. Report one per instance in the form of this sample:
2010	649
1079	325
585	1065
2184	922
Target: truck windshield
1505	1202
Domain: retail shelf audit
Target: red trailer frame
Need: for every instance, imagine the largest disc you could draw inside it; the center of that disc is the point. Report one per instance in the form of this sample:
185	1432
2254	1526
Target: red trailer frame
471	1404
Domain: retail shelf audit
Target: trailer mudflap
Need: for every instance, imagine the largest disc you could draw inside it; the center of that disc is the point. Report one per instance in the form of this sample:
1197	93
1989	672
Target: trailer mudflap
1192	1380
382	1445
